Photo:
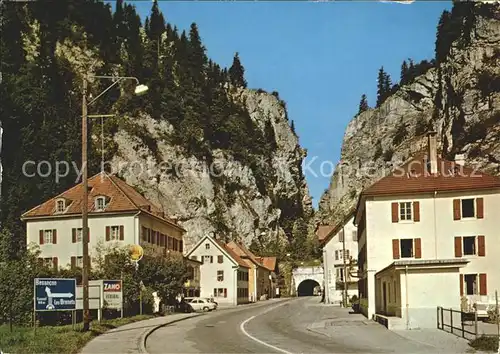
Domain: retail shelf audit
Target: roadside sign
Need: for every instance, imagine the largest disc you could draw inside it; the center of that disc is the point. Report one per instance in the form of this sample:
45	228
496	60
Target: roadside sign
136	252
54	294
112	294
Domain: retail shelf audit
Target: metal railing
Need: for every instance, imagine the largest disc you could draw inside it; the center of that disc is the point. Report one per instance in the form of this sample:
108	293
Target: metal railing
459	325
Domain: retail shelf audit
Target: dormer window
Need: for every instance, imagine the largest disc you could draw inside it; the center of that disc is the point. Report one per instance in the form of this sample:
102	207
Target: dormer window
60	206
100	203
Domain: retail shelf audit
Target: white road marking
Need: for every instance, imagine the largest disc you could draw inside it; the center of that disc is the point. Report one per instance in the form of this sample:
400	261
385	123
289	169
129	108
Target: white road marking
242	328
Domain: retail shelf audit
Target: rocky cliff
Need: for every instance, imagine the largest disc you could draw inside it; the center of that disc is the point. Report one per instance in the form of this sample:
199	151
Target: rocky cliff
222	195
459	98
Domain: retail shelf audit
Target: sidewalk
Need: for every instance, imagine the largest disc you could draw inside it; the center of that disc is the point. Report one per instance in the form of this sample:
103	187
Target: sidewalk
129	338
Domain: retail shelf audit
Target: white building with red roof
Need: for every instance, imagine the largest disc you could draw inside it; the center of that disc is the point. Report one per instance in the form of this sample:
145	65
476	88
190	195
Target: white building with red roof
428	237
118	216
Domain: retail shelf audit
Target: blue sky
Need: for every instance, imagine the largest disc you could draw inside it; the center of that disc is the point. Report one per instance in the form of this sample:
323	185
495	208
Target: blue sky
320	57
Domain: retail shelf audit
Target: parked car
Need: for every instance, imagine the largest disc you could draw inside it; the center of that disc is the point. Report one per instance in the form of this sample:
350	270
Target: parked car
201	304
213	301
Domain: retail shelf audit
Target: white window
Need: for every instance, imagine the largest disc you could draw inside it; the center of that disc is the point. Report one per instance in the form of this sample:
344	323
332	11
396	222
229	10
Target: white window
347	254
100	203
208	259
47	236
60	206
341	236
340	274
207	246
220	275
471	282
79	262
336	255
115	233
79	235
354	235
468	208
405	211
469	244
406	248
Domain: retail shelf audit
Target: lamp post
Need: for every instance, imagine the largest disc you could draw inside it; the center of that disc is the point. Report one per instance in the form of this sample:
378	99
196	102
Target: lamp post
139	90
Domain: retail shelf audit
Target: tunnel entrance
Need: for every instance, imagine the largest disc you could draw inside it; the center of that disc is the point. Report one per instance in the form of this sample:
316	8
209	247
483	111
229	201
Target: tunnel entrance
306	288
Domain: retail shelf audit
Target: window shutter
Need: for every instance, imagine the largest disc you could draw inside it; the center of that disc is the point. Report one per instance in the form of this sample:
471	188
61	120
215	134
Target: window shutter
480	208
395	249
225	292
41	237
483	290
418	248
108	231
456	209
458	246
211	259
88	234
181	246
481	246
144	234
54	236
416	211
395	212
73	262
54	262
461	284
73	235
122	236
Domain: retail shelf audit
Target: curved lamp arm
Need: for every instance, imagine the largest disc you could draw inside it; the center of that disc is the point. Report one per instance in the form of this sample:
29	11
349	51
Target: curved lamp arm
117	78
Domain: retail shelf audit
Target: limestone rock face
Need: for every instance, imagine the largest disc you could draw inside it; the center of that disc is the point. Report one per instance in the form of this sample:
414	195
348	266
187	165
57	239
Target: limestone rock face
222	195
459	98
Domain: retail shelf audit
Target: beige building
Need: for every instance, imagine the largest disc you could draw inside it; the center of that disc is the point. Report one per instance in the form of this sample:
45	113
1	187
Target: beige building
118	216
427	238
260	280
193	283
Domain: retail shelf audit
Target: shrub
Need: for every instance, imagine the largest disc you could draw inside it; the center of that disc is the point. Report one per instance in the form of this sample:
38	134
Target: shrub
378	151
388	154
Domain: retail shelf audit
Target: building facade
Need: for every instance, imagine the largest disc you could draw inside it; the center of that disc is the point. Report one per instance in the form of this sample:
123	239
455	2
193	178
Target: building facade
224	275
118	216
427	238
340	251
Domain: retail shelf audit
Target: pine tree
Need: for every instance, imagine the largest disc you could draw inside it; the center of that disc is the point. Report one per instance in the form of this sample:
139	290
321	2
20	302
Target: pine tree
197	58
404	72
381	91
156	22
292	126
363	104
387	86
237	72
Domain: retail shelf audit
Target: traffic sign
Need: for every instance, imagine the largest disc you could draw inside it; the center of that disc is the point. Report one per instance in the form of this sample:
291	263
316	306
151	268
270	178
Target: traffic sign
112	294
54	294
136	253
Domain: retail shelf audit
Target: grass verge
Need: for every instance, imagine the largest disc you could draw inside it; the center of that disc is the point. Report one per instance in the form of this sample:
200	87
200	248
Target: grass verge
485	343
57	339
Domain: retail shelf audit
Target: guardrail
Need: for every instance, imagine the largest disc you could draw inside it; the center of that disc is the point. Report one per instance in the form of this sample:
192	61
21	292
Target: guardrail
445	321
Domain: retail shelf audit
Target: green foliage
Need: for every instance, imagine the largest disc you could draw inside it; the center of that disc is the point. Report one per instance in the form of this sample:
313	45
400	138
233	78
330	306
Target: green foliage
485	343
237	72
378	150
383	86
388	154
410	71
400	135
363	104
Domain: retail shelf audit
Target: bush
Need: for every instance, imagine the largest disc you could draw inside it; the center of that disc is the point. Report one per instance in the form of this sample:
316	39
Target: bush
487	343
388	154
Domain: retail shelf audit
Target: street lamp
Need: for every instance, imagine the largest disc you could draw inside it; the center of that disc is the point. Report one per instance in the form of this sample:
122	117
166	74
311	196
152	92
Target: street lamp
139	90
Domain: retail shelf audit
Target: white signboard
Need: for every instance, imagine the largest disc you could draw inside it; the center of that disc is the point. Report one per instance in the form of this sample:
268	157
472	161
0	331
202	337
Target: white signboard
112	294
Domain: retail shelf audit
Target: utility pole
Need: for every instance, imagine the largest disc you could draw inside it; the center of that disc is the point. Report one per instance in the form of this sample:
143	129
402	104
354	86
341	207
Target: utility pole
85	231
345	267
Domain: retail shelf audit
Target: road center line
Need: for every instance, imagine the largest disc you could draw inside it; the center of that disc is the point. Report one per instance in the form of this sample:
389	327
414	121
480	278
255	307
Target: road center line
242	328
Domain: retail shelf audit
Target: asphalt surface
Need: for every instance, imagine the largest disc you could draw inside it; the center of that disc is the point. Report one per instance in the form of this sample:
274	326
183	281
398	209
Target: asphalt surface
299	325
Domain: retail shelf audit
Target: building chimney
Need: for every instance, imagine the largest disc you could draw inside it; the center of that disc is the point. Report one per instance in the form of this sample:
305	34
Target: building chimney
460	159
432	152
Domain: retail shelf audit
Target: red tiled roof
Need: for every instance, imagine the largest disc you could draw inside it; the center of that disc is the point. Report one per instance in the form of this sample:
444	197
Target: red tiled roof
323	231
269	263
413	177
233	254
120	196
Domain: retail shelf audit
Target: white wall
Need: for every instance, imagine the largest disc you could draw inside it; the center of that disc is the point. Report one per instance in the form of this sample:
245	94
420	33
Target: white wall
330	263
64	249
209	273
437	230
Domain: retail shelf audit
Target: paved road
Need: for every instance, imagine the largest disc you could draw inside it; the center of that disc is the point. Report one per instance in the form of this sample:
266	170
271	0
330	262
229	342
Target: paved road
289	326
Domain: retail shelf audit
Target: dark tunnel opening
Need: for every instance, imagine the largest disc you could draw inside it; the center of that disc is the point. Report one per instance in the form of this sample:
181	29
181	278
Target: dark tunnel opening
306	288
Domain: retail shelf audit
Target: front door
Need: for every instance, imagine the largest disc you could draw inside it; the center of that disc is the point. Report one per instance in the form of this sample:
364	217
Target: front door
384	290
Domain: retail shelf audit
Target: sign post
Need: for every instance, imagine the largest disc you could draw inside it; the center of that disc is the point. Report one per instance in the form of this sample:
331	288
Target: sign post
136	253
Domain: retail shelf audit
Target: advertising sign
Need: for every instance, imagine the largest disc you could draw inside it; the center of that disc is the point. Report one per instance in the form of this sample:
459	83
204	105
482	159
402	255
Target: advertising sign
54	294
112	294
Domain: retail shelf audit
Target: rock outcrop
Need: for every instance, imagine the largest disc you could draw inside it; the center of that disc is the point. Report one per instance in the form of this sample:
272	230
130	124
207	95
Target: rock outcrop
459	98
222	195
